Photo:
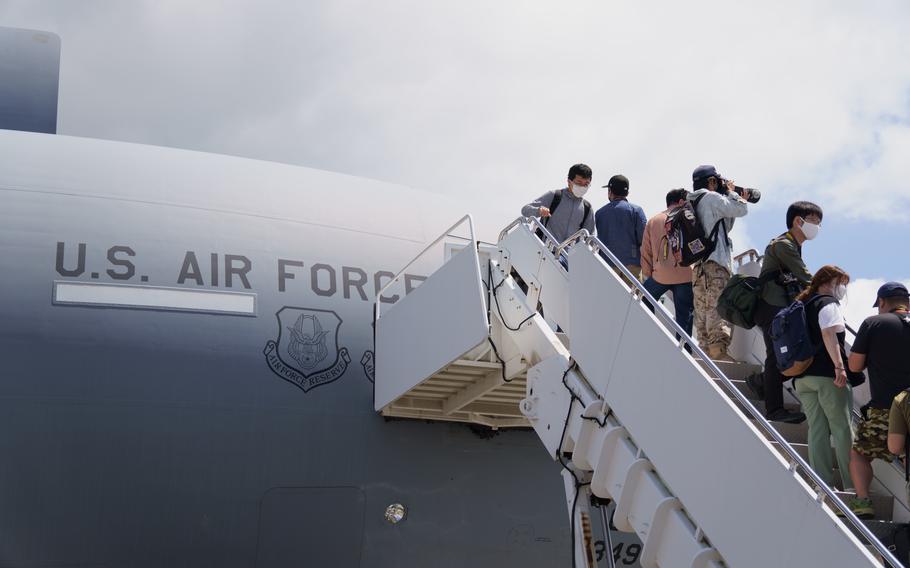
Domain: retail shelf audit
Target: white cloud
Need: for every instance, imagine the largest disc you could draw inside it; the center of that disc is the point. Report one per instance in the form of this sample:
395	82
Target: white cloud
740	237
492	101
874	184
861	294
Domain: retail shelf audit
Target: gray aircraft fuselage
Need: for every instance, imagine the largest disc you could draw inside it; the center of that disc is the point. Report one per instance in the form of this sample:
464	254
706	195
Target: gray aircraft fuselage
136	436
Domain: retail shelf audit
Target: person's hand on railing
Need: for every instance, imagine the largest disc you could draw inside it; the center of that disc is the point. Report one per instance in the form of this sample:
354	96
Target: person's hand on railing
544	211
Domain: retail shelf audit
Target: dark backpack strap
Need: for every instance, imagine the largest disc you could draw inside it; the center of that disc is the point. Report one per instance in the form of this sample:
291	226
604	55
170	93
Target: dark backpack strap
818	298
765	278
553	205
712	236
816	304
584	219
785	279
720	223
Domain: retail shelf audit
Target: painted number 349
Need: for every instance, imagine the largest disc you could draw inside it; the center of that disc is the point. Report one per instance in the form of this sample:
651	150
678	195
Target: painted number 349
626	554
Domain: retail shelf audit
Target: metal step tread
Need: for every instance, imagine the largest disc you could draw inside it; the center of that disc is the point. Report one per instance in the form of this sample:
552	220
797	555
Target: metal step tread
466	390
882	504
793	433
733	370
756	402
803	451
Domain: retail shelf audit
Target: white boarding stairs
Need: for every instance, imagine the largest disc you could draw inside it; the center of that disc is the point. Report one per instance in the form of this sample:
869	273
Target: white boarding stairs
618	399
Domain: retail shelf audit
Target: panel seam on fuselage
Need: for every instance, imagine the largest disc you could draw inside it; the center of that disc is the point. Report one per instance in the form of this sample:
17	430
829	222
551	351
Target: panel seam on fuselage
48	191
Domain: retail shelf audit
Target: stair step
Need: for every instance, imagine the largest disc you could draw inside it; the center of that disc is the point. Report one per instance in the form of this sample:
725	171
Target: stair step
793	433
734	371
757	402
803	451
883	505
741	386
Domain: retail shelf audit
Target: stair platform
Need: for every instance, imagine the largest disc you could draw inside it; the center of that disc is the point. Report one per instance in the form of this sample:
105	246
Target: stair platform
466	391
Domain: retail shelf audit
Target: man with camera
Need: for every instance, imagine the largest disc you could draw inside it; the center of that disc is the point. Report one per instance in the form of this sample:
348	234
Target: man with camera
718	202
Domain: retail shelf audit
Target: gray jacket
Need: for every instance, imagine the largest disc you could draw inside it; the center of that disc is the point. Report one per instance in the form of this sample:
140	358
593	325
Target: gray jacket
568	216
712	207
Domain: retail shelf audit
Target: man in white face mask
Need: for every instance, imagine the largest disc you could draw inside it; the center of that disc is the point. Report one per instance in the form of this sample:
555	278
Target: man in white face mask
786	275
565	211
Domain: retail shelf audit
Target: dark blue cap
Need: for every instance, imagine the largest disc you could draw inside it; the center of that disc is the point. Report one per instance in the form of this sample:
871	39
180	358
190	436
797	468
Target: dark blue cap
702	172
891	290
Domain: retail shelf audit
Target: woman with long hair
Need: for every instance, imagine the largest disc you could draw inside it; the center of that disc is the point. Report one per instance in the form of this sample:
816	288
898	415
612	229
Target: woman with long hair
824	388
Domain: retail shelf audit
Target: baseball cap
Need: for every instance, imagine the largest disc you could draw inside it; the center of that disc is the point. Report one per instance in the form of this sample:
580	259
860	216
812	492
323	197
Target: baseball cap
618	184
702	172
891	290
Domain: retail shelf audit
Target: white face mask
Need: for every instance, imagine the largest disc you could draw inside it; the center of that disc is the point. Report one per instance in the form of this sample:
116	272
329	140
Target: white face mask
579	190
810	230
840	291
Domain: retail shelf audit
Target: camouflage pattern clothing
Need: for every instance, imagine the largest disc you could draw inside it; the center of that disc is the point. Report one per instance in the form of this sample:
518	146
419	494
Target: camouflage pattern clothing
872	435
708	281
899	417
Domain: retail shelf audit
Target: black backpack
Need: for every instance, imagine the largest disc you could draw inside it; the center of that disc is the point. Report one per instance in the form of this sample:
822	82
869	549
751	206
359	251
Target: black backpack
556	200
686	235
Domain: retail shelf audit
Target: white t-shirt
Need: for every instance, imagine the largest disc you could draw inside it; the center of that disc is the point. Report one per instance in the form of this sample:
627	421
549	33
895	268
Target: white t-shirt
831	316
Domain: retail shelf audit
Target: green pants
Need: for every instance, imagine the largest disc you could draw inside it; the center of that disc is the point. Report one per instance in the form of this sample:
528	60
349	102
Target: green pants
827	409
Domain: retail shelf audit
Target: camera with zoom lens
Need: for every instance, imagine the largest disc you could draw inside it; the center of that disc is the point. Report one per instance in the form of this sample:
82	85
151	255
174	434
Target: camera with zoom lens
750	194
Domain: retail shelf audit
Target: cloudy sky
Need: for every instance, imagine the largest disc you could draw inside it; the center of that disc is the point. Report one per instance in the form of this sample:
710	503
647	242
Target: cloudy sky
491	101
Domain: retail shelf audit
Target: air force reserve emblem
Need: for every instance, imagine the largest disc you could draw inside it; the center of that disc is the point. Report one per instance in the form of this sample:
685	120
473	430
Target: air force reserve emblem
306	353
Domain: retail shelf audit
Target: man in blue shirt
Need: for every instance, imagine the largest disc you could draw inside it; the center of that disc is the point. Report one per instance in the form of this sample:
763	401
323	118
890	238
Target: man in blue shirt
621	225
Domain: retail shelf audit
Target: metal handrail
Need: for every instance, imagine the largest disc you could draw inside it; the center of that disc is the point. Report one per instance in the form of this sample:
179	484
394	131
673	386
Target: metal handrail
551	240
514	223
795	458
751	253
573	238
444	234
548	236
